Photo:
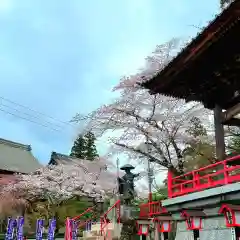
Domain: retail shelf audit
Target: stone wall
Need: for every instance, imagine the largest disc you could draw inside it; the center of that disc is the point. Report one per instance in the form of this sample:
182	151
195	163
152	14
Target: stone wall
182	232
214	228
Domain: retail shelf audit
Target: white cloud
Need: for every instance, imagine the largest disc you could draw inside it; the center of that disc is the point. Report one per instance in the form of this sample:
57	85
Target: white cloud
6	6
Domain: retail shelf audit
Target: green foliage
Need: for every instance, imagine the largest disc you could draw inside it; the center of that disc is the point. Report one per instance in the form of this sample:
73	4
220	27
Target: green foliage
198	151
91	150
196	128
45	210
234	141
84	147
78	149
161	193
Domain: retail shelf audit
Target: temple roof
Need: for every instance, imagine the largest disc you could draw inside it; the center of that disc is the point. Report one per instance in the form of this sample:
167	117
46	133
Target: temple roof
207	70
17	157
96	166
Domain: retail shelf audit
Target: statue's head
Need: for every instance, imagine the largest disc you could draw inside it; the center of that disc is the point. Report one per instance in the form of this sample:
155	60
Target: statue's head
127	168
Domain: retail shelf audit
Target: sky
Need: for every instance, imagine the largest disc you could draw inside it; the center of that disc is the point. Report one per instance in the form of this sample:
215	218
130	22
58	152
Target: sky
60	57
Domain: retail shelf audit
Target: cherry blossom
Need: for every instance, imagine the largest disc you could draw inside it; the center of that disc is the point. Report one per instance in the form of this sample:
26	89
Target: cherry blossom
137	117
64	181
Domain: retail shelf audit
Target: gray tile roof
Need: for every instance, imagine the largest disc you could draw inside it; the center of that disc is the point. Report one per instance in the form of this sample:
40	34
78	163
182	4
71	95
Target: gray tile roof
99	166
17	157
93	166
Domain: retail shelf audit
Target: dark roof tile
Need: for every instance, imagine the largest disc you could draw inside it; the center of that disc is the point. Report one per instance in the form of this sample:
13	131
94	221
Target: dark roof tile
17	157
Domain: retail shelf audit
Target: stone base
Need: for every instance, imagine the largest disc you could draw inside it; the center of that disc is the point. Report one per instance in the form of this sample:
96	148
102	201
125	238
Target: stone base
128	212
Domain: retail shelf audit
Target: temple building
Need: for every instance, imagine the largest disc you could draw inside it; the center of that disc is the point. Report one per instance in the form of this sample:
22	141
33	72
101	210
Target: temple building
16	158
203	204
207	71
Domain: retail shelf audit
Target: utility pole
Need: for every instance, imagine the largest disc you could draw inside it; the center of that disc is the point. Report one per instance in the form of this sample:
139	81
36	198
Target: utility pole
118	194
150	172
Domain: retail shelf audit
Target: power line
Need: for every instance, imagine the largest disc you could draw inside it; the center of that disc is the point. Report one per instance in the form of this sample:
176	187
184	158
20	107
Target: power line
18	113
35	111
27	114
15	115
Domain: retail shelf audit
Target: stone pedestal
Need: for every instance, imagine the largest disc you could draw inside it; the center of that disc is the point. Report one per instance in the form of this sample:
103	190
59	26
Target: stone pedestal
128	212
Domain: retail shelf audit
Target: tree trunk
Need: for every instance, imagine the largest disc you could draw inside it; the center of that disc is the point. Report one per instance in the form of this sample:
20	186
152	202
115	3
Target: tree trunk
129	230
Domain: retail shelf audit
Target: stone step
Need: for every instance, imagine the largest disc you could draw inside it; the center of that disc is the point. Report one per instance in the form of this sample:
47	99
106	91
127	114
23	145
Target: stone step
97	226
94	238
113	230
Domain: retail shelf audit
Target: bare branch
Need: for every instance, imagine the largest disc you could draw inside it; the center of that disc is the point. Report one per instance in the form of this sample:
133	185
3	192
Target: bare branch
152	159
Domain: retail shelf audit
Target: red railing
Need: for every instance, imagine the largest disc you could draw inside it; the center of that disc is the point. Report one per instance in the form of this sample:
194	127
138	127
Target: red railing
151	209
104	219
220	173
82	214
68	229
84	223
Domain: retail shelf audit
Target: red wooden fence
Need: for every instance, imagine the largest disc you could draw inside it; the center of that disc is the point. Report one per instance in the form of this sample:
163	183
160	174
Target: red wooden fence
220	173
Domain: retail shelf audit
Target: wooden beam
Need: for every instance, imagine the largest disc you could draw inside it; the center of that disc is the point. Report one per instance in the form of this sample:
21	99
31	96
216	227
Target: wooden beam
219	133
233	122
231	112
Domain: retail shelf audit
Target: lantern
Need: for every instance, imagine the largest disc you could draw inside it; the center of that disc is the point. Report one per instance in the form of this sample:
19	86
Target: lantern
231	214
193	219
143	227
163	223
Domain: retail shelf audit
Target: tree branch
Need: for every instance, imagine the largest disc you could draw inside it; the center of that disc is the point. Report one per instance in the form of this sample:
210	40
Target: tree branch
152	159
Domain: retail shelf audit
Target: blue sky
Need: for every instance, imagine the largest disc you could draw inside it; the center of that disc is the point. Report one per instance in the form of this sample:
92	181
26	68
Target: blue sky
60	57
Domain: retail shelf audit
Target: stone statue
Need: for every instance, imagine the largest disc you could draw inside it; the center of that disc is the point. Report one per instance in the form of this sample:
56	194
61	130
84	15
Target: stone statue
126	184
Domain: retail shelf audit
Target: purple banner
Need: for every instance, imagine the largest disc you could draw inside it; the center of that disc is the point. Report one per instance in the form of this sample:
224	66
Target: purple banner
74	229
20	223
89	226
14	232
10	226
39	229
51	229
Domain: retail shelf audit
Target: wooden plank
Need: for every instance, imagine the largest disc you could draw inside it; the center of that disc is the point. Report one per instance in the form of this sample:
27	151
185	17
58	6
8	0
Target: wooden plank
231	112
233	122
219	133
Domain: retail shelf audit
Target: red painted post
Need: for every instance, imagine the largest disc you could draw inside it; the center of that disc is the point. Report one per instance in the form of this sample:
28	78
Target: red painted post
194	179
150	197
169	181
118	213
225	172
149	203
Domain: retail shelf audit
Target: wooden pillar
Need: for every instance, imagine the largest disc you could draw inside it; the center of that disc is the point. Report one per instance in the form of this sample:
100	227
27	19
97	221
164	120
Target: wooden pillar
219	133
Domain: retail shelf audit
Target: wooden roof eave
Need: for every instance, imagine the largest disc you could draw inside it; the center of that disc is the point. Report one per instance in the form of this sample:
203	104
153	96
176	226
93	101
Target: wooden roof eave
229	207
192	213
164	218
210	34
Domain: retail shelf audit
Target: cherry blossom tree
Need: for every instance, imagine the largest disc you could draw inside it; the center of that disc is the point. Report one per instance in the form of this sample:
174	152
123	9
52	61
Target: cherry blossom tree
61	182
9	205
50	187
144	126
95	180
